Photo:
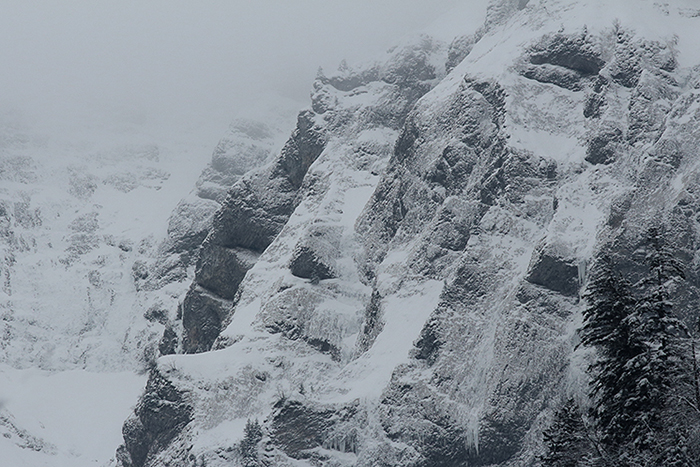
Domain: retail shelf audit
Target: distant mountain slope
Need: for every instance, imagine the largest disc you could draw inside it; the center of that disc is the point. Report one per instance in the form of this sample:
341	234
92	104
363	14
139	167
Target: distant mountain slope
91	265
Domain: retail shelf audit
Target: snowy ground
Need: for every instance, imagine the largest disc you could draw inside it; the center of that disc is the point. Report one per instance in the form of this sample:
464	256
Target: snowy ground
74	417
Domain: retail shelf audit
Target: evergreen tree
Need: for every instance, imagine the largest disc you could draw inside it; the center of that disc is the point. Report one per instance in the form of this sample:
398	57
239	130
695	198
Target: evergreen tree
660	337
644	366
609	301
567	440
253	434
607	326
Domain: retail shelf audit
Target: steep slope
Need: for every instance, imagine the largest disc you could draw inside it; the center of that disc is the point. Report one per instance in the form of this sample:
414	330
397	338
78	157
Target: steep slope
401	285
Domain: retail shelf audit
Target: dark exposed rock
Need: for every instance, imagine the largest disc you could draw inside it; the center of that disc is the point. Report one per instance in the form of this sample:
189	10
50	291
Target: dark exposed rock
136	442
575	52
387	205
324	346
373	324
553	272
307	264
322	98
220	270
603	147
247	145
298	429
157	313
593	105
470	281
302	149
557	75
501	437
254	212
415	414
289	315
257	208
618	211
314	257
139	270
169	342
159	416
429	343
202	317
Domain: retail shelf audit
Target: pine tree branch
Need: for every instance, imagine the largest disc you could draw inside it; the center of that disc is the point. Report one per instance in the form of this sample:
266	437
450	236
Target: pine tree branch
596	444
690	403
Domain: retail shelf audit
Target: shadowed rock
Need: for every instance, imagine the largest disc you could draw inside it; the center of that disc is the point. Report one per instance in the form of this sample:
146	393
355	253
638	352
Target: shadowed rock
314	257
160	415
297	429
202	315
220	270
553	272
575	52
603	147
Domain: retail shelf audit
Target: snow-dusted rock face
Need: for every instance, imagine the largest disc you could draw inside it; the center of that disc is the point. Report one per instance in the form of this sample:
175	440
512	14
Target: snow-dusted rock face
247	145
67	251
400	286
355	113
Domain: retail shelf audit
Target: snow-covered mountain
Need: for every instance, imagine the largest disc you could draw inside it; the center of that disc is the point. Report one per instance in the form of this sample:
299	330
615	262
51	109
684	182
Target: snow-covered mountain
400	286
398	282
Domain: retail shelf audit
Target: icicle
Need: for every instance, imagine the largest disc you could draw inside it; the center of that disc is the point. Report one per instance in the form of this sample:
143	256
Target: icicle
582	274
471	438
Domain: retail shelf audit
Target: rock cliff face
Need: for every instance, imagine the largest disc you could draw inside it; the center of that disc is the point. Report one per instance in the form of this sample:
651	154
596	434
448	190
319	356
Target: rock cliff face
401	285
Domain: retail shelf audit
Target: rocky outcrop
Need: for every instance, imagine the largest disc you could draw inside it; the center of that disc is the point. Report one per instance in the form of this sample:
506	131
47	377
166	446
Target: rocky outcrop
248	144
159	416
552	270
604	146
314	257
299	430
254	212
260	204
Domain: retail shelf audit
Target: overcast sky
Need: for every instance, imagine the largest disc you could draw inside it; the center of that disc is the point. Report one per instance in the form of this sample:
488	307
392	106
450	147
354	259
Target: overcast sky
167	60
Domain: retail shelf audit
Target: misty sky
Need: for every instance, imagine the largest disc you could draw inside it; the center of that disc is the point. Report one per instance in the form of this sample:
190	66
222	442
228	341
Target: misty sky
149	62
